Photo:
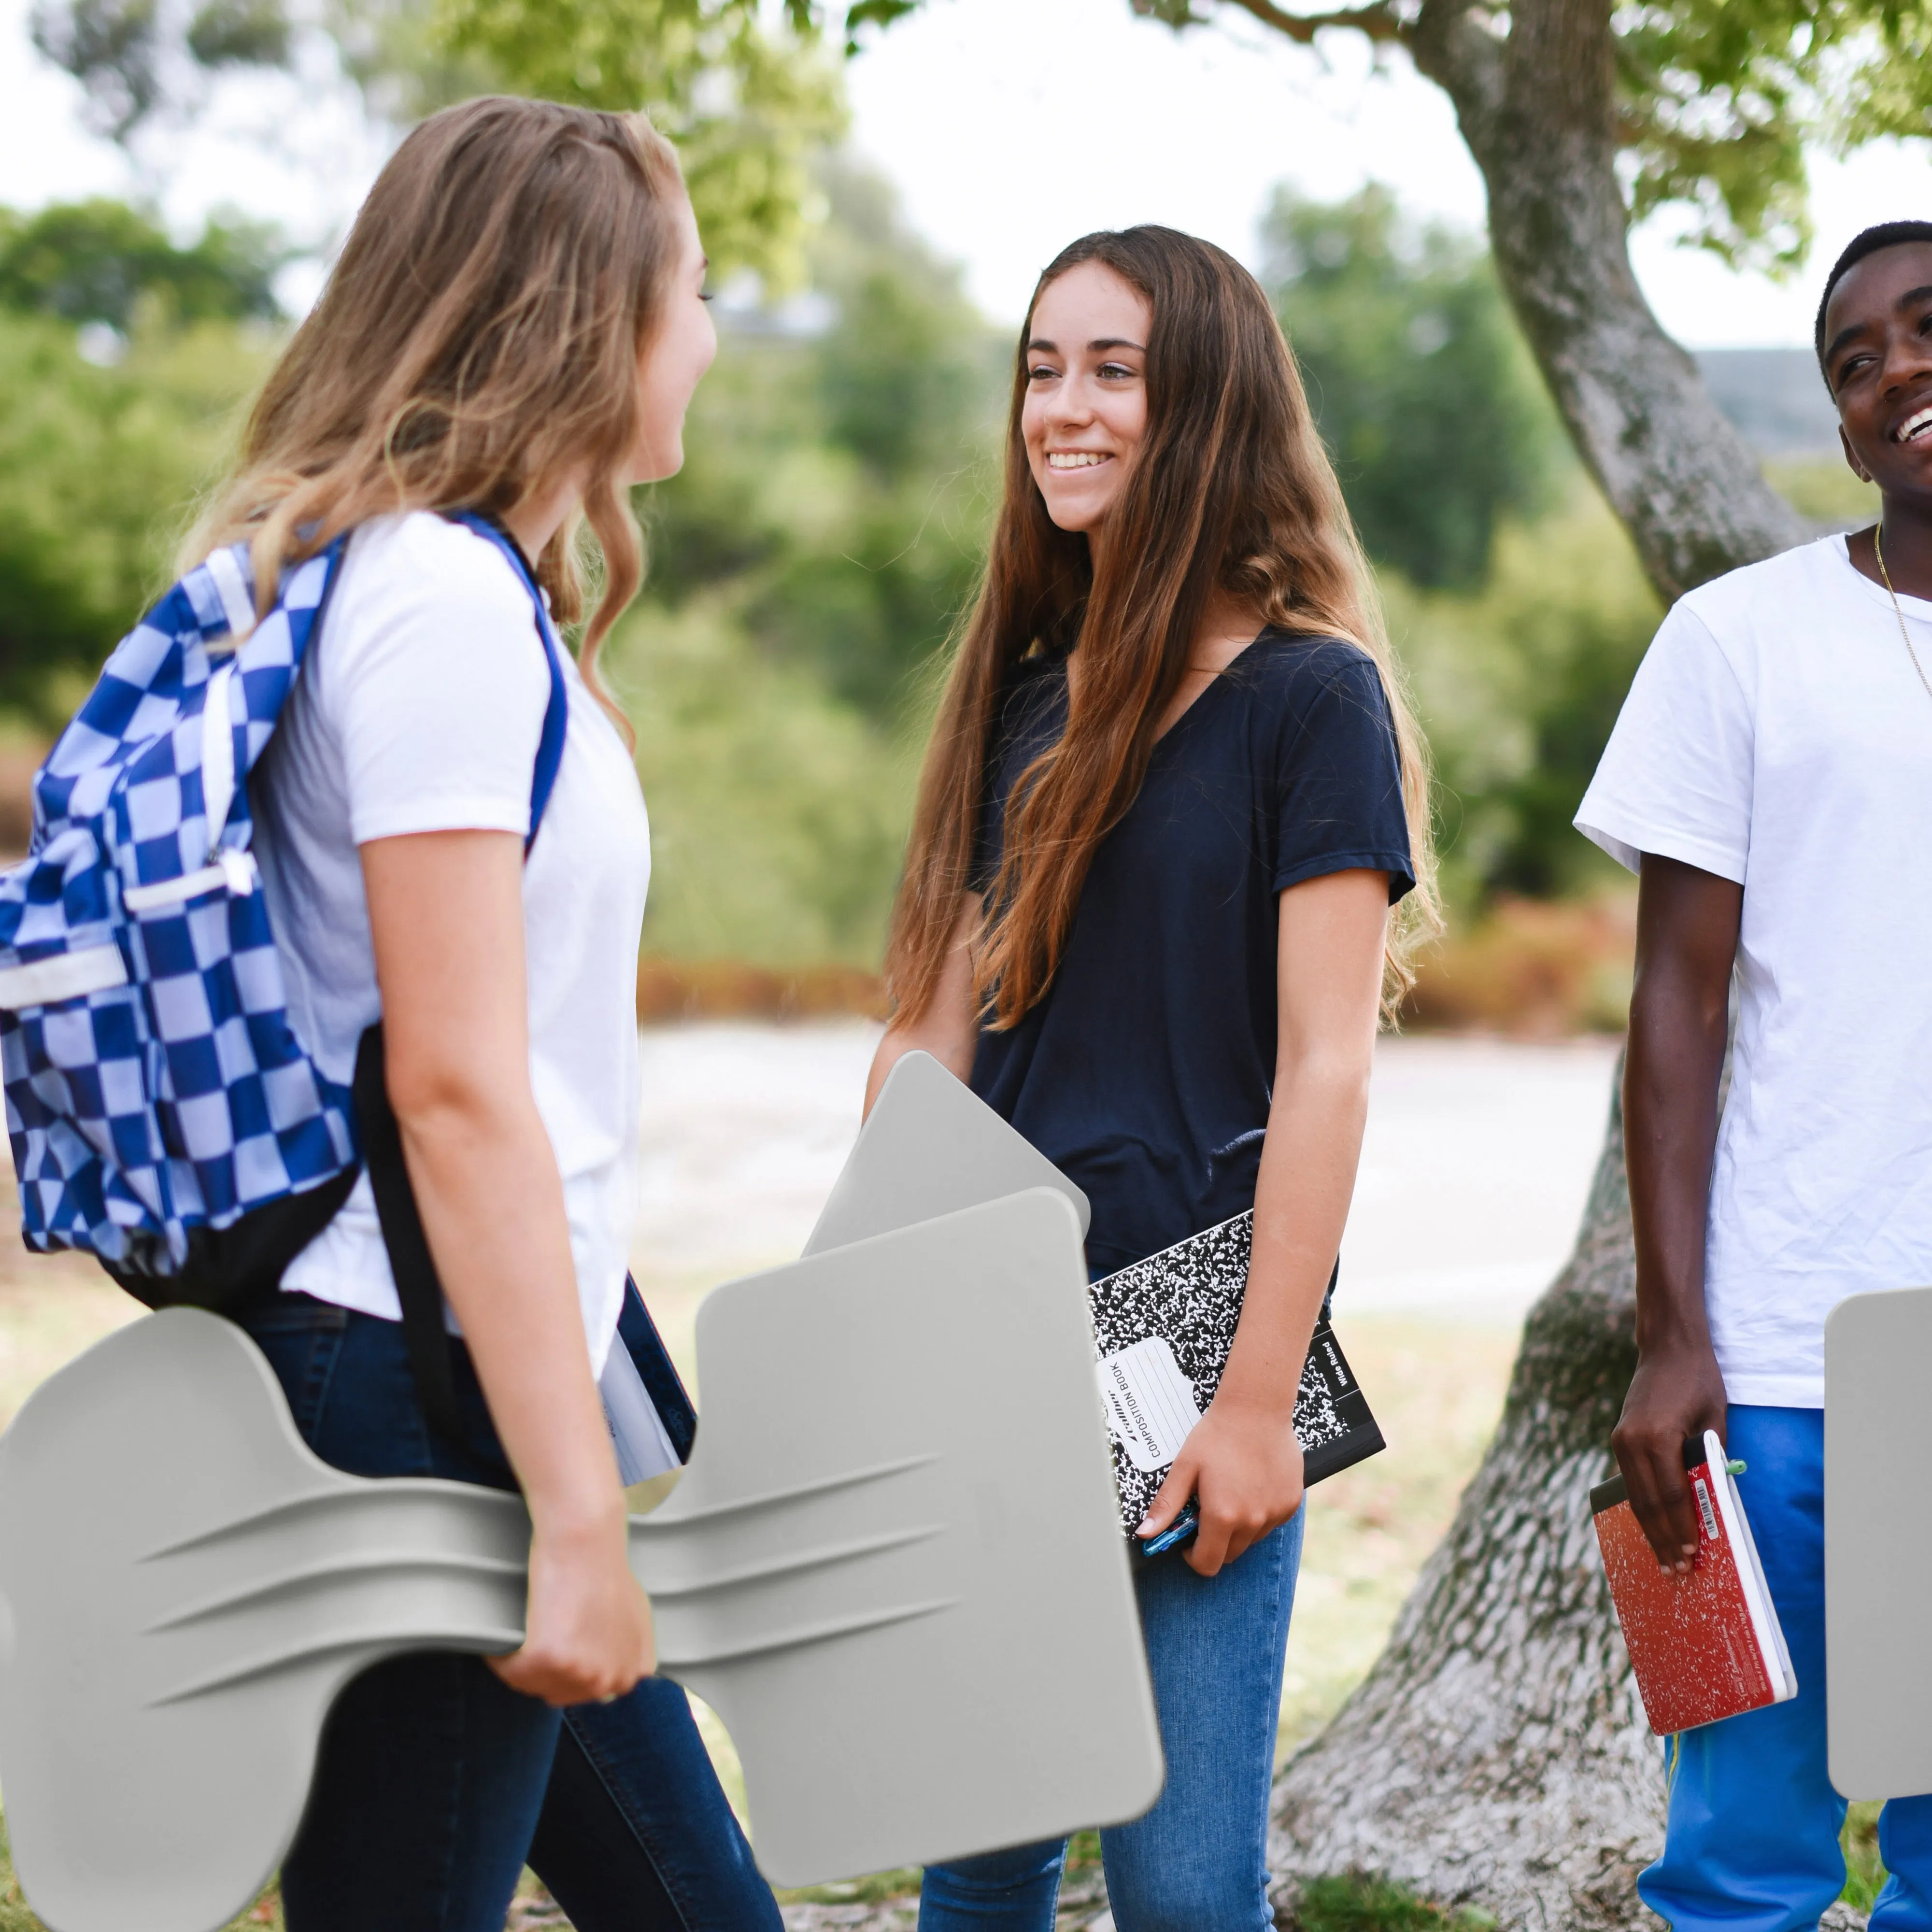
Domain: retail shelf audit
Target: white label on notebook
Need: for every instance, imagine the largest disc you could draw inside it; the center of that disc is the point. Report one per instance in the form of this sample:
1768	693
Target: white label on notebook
1705	1509
1150	1405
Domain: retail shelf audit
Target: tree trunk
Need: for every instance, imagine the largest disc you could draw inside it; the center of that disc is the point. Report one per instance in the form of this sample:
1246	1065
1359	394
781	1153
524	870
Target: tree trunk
1497	1754
1536	107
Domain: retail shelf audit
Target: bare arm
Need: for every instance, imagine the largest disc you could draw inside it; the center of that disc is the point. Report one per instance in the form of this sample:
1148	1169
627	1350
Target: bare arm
949	1029
1242	1459
1687	940
456	1049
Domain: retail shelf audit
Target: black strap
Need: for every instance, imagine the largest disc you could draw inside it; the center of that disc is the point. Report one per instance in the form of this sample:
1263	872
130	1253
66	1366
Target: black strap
418	1288
228	1268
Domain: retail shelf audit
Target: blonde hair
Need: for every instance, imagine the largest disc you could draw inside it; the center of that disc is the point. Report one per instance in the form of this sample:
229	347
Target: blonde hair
477	344
1232	491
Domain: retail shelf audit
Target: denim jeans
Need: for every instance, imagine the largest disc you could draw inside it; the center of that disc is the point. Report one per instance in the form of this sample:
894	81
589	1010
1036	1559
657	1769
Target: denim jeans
1751	1838
1197	1862
436	1782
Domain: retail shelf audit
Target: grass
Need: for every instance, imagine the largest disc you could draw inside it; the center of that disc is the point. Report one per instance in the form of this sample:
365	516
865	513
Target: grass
1359	1902
1864	1871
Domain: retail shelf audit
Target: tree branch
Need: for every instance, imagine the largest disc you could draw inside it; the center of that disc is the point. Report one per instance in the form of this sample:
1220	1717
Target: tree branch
1379	21
1454	43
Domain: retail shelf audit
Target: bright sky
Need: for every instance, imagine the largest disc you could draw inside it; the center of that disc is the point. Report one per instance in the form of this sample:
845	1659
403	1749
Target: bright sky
1010	127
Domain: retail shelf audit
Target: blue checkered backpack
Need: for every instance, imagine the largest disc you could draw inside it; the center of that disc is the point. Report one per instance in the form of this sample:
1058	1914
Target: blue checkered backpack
165	1117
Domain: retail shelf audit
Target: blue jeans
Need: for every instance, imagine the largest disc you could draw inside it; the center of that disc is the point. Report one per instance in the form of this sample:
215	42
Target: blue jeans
436	1782
1751	1844
1197	1862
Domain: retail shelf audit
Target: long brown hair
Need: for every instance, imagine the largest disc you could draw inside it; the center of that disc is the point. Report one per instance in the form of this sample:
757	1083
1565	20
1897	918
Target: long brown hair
477	342
1231	490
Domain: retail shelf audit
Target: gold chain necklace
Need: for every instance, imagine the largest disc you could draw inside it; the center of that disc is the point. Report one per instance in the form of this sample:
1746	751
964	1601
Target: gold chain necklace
1878	550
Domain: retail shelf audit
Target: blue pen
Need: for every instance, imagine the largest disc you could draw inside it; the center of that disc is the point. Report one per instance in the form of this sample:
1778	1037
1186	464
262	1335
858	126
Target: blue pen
1176	1533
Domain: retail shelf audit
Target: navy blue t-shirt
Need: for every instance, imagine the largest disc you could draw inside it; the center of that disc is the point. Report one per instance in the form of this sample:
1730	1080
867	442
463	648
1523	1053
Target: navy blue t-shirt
1145	1071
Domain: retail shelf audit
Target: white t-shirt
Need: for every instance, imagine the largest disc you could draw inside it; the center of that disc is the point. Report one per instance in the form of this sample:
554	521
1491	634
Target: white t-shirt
1777	735
419	709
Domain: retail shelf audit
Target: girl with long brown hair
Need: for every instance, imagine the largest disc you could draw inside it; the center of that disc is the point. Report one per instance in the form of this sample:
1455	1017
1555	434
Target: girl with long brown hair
509	339
1173	791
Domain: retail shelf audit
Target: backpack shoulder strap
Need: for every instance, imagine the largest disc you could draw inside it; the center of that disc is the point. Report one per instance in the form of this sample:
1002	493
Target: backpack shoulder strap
556	713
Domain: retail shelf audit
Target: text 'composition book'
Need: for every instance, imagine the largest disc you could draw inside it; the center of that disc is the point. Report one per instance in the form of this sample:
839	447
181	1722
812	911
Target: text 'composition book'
1707	1645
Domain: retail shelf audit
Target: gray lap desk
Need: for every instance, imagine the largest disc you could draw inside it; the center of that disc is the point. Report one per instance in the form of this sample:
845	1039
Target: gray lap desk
1878	1543
931	1146
893	1567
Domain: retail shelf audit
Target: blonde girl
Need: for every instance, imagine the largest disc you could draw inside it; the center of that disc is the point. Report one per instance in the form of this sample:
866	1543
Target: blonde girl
513	331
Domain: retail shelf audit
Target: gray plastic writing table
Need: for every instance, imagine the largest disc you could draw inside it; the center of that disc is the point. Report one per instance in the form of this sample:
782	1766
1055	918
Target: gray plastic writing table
892	1567
1878	1542
930	1146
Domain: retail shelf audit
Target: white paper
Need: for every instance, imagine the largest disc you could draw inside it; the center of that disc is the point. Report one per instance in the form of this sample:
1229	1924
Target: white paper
1762	1612
1150	1405
637	1431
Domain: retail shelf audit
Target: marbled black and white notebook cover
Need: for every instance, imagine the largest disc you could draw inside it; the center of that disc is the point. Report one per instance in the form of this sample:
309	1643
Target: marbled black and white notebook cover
1161	1330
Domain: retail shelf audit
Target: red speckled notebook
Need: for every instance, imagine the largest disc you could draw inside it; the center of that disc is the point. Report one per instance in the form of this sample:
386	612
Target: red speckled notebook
1704	1646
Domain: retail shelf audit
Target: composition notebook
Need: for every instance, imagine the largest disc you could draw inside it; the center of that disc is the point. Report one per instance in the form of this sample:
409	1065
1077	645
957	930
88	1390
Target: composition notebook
1708	1644
1162	1329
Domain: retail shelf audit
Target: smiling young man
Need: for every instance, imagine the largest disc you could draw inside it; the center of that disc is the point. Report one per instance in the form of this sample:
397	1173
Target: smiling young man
1770	779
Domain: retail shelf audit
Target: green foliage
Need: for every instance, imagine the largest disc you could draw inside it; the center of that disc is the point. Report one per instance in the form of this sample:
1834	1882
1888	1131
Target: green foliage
98	470
1715	92
1358	1902
1426	395
747	107
94	261
1721	97
1888	88
806	566
748	103
837	482
1517	686
777	811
